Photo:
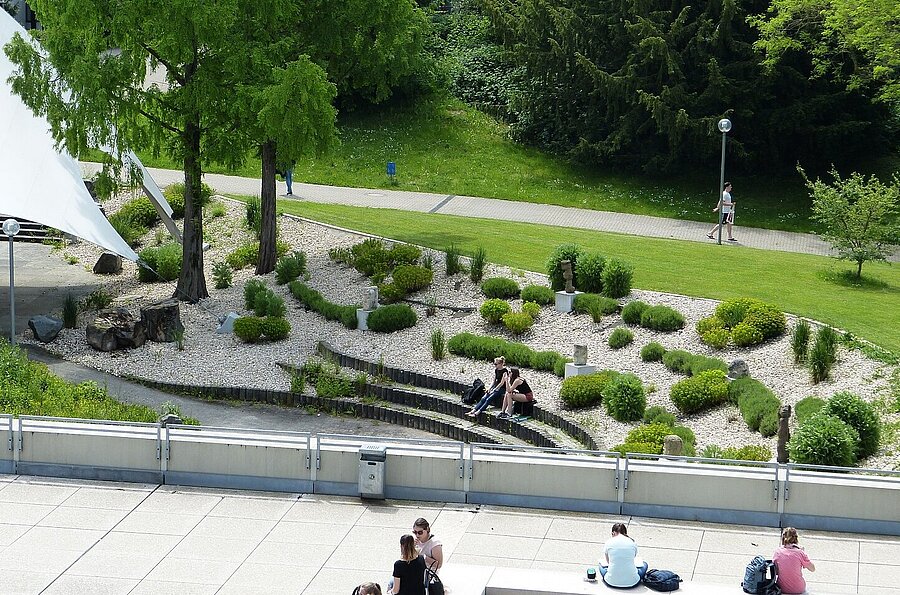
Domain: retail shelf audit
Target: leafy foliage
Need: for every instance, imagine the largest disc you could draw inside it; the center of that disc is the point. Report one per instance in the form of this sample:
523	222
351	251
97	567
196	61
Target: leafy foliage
824	440
620	338
163	263
392	318
500	287
701	392
538	294
516	354
590	272
517	322
252	329
807	407
493	310
222	276
617	278
587	390
596	305
633	311
532	309
625	399
314	300
410	278
570	252
859	415
658	415
290	267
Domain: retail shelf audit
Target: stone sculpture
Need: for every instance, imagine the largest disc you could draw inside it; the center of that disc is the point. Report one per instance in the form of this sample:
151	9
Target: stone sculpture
673	445
566	266
784	432
370	300
581	355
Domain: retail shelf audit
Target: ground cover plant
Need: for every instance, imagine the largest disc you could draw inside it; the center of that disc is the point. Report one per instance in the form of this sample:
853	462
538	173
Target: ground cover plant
313	300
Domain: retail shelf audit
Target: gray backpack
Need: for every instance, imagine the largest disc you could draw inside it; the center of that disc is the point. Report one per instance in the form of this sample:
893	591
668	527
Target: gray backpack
760	577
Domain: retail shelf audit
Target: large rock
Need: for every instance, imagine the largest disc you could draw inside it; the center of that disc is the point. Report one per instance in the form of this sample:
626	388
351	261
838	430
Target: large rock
108	264
738	369
115	329
45	328
162	321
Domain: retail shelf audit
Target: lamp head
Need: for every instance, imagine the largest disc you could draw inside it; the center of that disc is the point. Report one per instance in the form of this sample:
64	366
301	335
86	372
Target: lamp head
11	227
724	125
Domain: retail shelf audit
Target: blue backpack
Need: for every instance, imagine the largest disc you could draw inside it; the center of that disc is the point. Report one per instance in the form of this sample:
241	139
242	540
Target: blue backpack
661	580
760	577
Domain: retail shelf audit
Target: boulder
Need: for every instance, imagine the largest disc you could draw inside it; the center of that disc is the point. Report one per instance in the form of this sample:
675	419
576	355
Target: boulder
738	369
673	445
108	264
45	328
226	323
162	321
115	329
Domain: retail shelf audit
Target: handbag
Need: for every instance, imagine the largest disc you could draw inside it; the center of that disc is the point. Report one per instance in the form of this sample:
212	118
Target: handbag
433	584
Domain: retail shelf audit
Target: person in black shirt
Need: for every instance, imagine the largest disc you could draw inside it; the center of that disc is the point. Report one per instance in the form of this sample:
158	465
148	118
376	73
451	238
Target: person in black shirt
517	389
409	570
498	388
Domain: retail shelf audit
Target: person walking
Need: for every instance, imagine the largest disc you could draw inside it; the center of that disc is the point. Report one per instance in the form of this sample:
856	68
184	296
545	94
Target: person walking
725	208
790	559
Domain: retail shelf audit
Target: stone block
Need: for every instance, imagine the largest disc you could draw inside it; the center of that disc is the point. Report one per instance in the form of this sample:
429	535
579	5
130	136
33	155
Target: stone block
565	302
45	328
579	370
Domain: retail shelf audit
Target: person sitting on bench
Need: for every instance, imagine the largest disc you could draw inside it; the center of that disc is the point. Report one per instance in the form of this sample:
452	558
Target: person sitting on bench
517	390
497	389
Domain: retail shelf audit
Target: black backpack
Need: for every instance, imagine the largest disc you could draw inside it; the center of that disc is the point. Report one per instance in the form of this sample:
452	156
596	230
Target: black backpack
760	577
471	395
661	580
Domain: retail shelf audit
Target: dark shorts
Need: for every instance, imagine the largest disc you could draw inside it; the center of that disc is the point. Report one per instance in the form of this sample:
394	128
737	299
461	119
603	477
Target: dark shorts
724	217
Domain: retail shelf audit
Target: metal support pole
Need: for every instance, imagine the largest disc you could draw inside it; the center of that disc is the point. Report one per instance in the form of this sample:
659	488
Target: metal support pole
12	295
722	189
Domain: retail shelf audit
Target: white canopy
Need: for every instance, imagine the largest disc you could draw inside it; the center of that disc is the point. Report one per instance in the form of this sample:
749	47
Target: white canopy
37	181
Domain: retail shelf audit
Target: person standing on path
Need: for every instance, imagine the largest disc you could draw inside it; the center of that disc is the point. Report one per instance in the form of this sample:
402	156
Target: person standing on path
725	208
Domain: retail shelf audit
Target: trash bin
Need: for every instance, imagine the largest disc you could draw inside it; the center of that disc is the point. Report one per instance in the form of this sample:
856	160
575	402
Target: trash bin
371	471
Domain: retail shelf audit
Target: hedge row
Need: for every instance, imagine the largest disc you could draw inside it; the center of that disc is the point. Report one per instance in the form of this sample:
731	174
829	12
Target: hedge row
484	348
758	405
313	300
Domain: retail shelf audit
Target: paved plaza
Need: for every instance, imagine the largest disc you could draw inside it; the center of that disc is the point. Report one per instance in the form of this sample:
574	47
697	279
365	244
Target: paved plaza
72	536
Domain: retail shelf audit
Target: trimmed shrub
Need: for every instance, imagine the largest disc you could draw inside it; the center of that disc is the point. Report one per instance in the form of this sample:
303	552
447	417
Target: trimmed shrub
371	257
620	338
570	252
701	363
652	352
751	452
659	415
517	322
617	278
807	407
590	272
768	319
248	329
538	294
147	272
222	275
516	354
823	354
493	310
545	360
290	267
404	254
411	278
140	211
688	440
275	328
701	392
662	318
824	440
716	338
251	288
388	293
500	287
860	416
710	323
633	311
476	266
745	335
587	390
732	312
559	368
800	341
532	309
625	399
678	360
596	305
758	405
313	300
388	319
168	261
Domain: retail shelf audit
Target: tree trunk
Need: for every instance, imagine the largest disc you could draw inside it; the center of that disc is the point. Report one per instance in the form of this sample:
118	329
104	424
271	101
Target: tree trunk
267	256
859	269
192	282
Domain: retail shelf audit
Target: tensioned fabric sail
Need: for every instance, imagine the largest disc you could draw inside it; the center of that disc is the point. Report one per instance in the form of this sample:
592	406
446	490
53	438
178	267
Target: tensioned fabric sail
37	181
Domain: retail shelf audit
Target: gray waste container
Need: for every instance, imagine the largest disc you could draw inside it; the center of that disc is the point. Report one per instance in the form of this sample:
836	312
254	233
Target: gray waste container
371	471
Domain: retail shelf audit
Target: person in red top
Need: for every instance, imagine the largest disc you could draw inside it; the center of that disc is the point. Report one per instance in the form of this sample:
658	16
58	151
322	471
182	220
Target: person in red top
790	559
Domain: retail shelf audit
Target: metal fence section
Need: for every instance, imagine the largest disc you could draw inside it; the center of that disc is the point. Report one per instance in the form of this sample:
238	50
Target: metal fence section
8	455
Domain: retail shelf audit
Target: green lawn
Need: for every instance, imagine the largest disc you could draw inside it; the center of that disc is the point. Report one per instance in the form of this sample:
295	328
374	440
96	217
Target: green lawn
444	146
811	286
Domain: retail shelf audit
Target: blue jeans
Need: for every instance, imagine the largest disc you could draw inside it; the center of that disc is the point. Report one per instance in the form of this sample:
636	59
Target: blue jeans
289	179
642	570
487	398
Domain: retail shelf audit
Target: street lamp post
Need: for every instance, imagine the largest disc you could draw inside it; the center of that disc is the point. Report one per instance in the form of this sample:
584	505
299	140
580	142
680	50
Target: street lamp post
11	228
724	127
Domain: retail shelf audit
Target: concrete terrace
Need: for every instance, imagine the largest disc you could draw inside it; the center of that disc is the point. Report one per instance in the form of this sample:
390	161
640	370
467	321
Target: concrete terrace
74	536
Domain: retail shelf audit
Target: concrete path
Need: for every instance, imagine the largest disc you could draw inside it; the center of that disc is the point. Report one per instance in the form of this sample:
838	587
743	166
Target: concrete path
490	208
70	536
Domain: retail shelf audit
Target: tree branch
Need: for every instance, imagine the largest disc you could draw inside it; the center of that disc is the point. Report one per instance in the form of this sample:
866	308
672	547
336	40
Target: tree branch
173	70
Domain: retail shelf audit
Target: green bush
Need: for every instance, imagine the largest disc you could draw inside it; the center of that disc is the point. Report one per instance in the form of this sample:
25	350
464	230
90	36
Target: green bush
538	294
98	300
70	311
139	210
678	360
637	448
659	415
500	287
559	368
823	354
313	300
248	329
438	344
625	399
800	341
662	318
590	272
701	392
655	434
334	386
371	257
860	416
710	323
476	268
807	407
253	215
267	303
516	354
570	252
532	309
824	440
732	312
652	352
389	293
275	328
633	311
411	278
688	440
174	194
517	322
751	452
222	275
290	267
248	254
404	254
620	338
147	272
451	260
545	360
494	309
758	405
745	335
716	338
168	261
768	319
251	288
587	390
701	363
130	231
596	305
617	278
389	319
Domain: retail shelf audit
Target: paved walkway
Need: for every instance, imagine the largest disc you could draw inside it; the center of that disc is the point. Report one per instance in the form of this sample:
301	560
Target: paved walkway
490	208
65	536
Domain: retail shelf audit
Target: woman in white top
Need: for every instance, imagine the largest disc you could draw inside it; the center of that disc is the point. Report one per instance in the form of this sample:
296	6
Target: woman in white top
428	545
622	569
726	213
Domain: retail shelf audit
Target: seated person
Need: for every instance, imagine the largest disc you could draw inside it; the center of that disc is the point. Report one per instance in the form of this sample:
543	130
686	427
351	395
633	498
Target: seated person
496	389
790	559
621	568
517	389
368	589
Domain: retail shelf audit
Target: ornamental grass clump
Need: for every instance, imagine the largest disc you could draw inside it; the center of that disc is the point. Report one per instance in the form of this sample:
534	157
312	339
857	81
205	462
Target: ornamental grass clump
438	345
800	341
620	337
477	264
823	354
594	304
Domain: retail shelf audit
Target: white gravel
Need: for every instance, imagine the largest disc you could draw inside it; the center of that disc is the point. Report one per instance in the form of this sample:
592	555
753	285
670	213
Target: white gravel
210	358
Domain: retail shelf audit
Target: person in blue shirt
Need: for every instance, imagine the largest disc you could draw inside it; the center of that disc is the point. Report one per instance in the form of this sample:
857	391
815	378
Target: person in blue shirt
621	568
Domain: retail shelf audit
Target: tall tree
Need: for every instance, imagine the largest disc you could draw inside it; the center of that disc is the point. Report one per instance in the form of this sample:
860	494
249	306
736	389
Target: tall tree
91	84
